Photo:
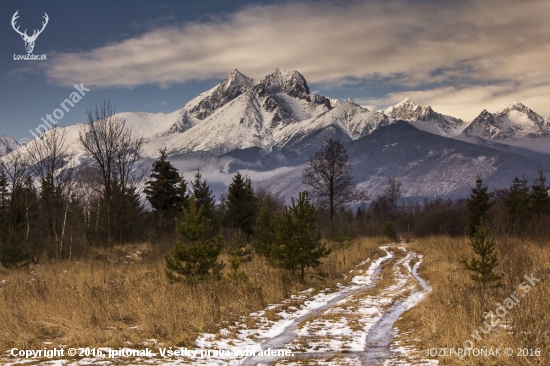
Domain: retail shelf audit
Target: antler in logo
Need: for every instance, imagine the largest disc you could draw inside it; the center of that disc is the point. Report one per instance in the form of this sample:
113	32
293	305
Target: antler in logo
29	41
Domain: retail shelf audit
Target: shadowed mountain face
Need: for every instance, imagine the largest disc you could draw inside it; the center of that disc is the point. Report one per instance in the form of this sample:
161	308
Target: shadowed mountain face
275	124
429	165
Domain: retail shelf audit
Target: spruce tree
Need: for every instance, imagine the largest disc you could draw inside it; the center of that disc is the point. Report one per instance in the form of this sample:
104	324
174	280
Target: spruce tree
194	257
298	243
477	205
241	205
517	204
539	198
482	268
166	190
205	198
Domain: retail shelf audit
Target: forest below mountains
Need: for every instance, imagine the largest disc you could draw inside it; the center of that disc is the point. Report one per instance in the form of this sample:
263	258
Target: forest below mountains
51	210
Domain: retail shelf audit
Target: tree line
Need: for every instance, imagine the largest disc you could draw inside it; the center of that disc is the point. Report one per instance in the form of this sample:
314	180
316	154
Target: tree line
50	207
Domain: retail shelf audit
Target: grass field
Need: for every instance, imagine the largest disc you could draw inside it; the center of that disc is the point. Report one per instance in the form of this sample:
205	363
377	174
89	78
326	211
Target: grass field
457	305
121	297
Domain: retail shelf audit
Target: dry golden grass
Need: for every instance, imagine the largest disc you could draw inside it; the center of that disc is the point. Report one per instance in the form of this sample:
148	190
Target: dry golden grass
456	306
121	297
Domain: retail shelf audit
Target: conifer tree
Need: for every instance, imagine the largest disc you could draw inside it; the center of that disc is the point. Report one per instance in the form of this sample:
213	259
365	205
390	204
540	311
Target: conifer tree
241	205
265	232
539	198
205	198
16	215
166	190
390	231
482	268
477	205
517	203
194	257
298	243
240	252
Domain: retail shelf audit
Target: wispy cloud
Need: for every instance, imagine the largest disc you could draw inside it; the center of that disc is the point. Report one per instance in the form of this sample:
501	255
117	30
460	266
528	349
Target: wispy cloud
468	44
468	102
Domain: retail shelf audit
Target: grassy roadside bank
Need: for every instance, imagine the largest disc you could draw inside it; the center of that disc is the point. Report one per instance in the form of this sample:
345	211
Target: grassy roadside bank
456	306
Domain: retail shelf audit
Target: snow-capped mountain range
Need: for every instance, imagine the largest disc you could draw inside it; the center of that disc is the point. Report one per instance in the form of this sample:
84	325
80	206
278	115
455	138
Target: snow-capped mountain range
425	118
278	111
514	122
277	117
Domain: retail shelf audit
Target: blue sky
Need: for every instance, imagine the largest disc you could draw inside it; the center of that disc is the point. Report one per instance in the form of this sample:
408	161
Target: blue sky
459	57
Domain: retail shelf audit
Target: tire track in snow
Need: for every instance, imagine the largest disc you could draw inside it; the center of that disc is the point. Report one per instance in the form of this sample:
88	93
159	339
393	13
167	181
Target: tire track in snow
288	333
381	334
377	334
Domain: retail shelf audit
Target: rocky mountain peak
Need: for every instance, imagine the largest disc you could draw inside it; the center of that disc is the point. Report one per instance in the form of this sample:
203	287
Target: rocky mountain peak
350	104
407	103
291	82
425	118
237	80
514	121
230	88
409	110
7	145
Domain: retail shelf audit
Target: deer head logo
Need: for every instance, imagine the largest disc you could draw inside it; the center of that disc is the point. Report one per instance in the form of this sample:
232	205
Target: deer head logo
29	41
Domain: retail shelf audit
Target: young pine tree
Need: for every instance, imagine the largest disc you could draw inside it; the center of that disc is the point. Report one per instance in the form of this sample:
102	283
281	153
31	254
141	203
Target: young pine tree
298	243
241	205
539	198
194	257
241	252
482	268
265	232
477	205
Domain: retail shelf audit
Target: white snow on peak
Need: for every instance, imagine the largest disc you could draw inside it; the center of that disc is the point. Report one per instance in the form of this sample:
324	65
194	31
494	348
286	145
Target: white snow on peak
425	118
334	102
7	144
514	122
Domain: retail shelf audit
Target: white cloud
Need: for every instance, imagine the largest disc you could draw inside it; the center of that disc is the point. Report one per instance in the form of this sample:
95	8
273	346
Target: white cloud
330	41
489	51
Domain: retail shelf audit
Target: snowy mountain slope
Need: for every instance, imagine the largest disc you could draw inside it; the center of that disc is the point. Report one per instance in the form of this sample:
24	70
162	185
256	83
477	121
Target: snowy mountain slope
512	123
277	101
202	106
352	118
425	118
428	165
7	145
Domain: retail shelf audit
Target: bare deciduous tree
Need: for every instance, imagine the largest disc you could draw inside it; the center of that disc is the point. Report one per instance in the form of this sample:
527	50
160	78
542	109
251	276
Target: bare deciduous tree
48	159
109	142
328	175
393	192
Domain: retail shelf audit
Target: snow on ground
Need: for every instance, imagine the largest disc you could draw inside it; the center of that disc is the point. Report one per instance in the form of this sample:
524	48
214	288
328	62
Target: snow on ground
348	325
